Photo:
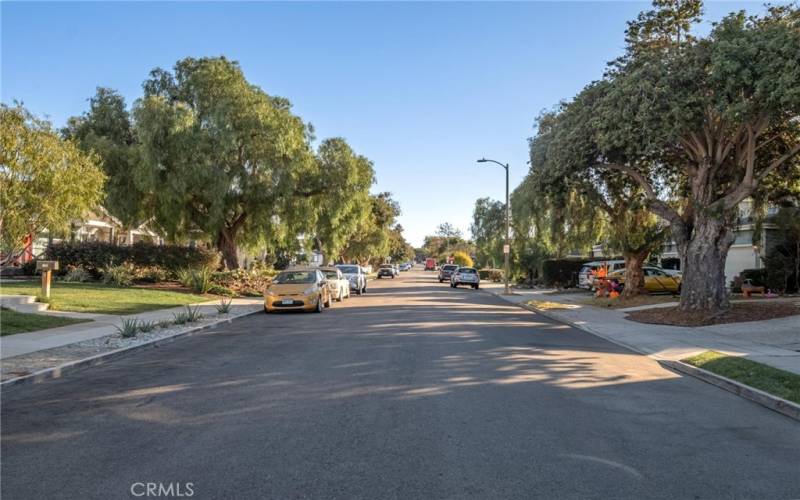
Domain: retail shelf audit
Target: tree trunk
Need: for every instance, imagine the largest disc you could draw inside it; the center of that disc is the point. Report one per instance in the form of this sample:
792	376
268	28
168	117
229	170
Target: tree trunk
703	284
634	274
226	244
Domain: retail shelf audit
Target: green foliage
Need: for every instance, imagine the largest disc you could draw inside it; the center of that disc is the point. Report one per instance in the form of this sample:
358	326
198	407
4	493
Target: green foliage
488	230
107	131
147	326
77	274
462	259
224	306
199	280
180	318
372	240
45	182
129	328
193	314
561	273
222	157
493	275
94	256
121	275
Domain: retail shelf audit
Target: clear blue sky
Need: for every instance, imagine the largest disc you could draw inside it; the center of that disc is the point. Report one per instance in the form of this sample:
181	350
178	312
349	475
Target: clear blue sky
422	89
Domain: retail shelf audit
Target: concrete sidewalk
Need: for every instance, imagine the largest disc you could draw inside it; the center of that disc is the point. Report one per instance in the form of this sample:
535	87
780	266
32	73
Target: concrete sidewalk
775	342
102	325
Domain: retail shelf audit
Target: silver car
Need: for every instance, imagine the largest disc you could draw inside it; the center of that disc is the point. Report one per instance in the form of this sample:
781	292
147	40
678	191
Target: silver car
356	276
465	276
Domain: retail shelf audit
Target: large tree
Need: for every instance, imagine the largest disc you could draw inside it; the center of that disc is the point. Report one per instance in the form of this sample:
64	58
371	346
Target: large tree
46	182
107	130
718	116
371	242
488	230
222	158
573	165
346	178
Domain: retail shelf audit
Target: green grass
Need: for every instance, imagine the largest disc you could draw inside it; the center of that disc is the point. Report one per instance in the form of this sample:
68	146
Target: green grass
12	322
100	298
780	383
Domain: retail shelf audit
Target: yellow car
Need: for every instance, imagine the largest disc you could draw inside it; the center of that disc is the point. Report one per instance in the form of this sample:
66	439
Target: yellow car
297	289
655	280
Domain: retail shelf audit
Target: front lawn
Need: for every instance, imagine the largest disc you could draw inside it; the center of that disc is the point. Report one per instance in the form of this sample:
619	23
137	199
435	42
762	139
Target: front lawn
781	383
100	298
12	322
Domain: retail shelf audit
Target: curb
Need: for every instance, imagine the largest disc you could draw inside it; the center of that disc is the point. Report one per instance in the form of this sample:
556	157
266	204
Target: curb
74	366
772	402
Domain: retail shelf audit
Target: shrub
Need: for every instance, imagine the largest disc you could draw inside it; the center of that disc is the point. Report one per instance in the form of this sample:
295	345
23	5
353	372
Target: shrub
198	280
193	314
224	306
129	328
121	275
221	290
77	274
493	275
561	272
147	326
164	323
757	277
180	318
94	256
152	274
462	259
245	282
28	268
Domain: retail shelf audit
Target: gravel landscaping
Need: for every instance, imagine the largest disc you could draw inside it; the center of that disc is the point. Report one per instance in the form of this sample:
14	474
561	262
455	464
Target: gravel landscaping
26	364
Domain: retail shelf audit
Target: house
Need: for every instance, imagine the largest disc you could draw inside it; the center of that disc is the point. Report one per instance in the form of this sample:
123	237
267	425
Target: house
96	225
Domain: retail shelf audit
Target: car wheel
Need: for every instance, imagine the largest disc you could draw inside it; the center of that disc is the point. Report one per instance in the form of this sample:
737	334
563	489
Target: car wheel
475	287
364	290
441	280
319	307
266	311
328	302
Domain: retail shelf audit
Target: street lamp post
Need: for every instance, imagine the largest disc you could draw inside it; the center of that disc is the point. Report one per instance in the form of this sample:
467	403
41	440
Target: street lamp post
507	245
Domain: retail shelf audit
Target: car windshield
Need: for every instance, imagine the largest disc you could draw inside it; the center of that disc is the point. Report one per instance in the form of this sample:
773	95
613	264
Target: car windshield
331	274
349	269
467	270
295	277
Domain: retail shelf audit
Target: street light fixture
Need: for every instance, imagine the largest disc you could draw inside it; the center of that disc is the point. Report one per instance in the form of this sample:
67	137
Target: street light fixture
507	245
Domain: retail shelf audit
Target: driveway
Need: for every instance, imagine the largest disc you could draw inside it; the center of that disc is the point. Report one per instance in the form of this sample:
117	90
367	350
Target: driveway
414	390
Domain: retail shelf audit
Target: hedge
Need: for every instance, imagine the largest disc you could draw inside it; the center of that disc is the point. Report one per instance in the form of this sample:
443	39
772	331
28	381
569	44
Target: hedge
94	256
562	272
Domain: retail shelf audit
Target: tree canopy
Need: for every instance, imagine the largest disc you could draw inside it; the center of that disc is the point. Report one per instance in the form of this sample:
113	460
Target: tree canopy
46	182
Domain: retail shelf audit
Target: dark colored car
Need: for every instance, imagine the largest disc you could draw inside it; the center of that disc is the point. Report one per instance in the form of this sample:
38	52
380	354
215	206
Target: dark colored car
446	271
386	270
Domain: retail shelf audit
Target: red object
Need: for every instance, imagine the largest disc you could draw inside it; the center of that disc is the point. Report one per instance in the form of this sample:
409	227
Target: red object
430	264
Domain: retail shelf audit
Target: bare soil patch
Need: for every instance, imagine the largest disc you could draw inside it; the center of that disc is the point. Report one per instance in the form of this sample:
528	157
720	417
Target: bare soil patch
739	312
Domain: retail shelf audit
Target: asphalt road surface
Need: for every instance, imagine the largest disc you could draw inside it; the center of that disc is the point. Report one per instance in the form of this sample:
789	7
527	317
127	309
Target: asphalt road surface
412	391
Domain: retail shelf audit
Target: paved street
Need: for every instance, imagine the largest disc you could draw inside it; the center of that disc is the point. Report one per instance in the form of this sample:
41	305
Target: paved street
412	391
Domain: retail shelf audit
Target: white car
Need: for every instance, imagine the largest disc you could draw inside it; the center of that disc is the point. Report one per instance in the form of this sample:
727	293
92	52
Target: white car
338	285
465	276
356	276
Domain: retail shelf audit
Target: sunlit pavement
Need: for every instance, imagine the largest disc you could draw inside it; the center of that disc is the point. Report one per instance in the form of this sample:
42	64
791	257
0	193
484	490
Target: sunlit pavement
414	390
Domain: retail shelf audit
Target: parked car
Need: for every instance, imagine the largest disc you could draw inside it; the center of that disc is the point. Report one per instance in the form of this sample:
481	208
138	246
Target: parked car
589	270
430	264
465	276
655	280
338	285
356	276
297	289
386	271
405	266
445	271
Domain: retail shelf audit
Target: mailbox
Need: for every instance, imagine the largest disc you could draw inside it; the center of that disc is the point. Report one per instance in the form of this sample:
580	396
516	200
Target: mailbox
47	265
